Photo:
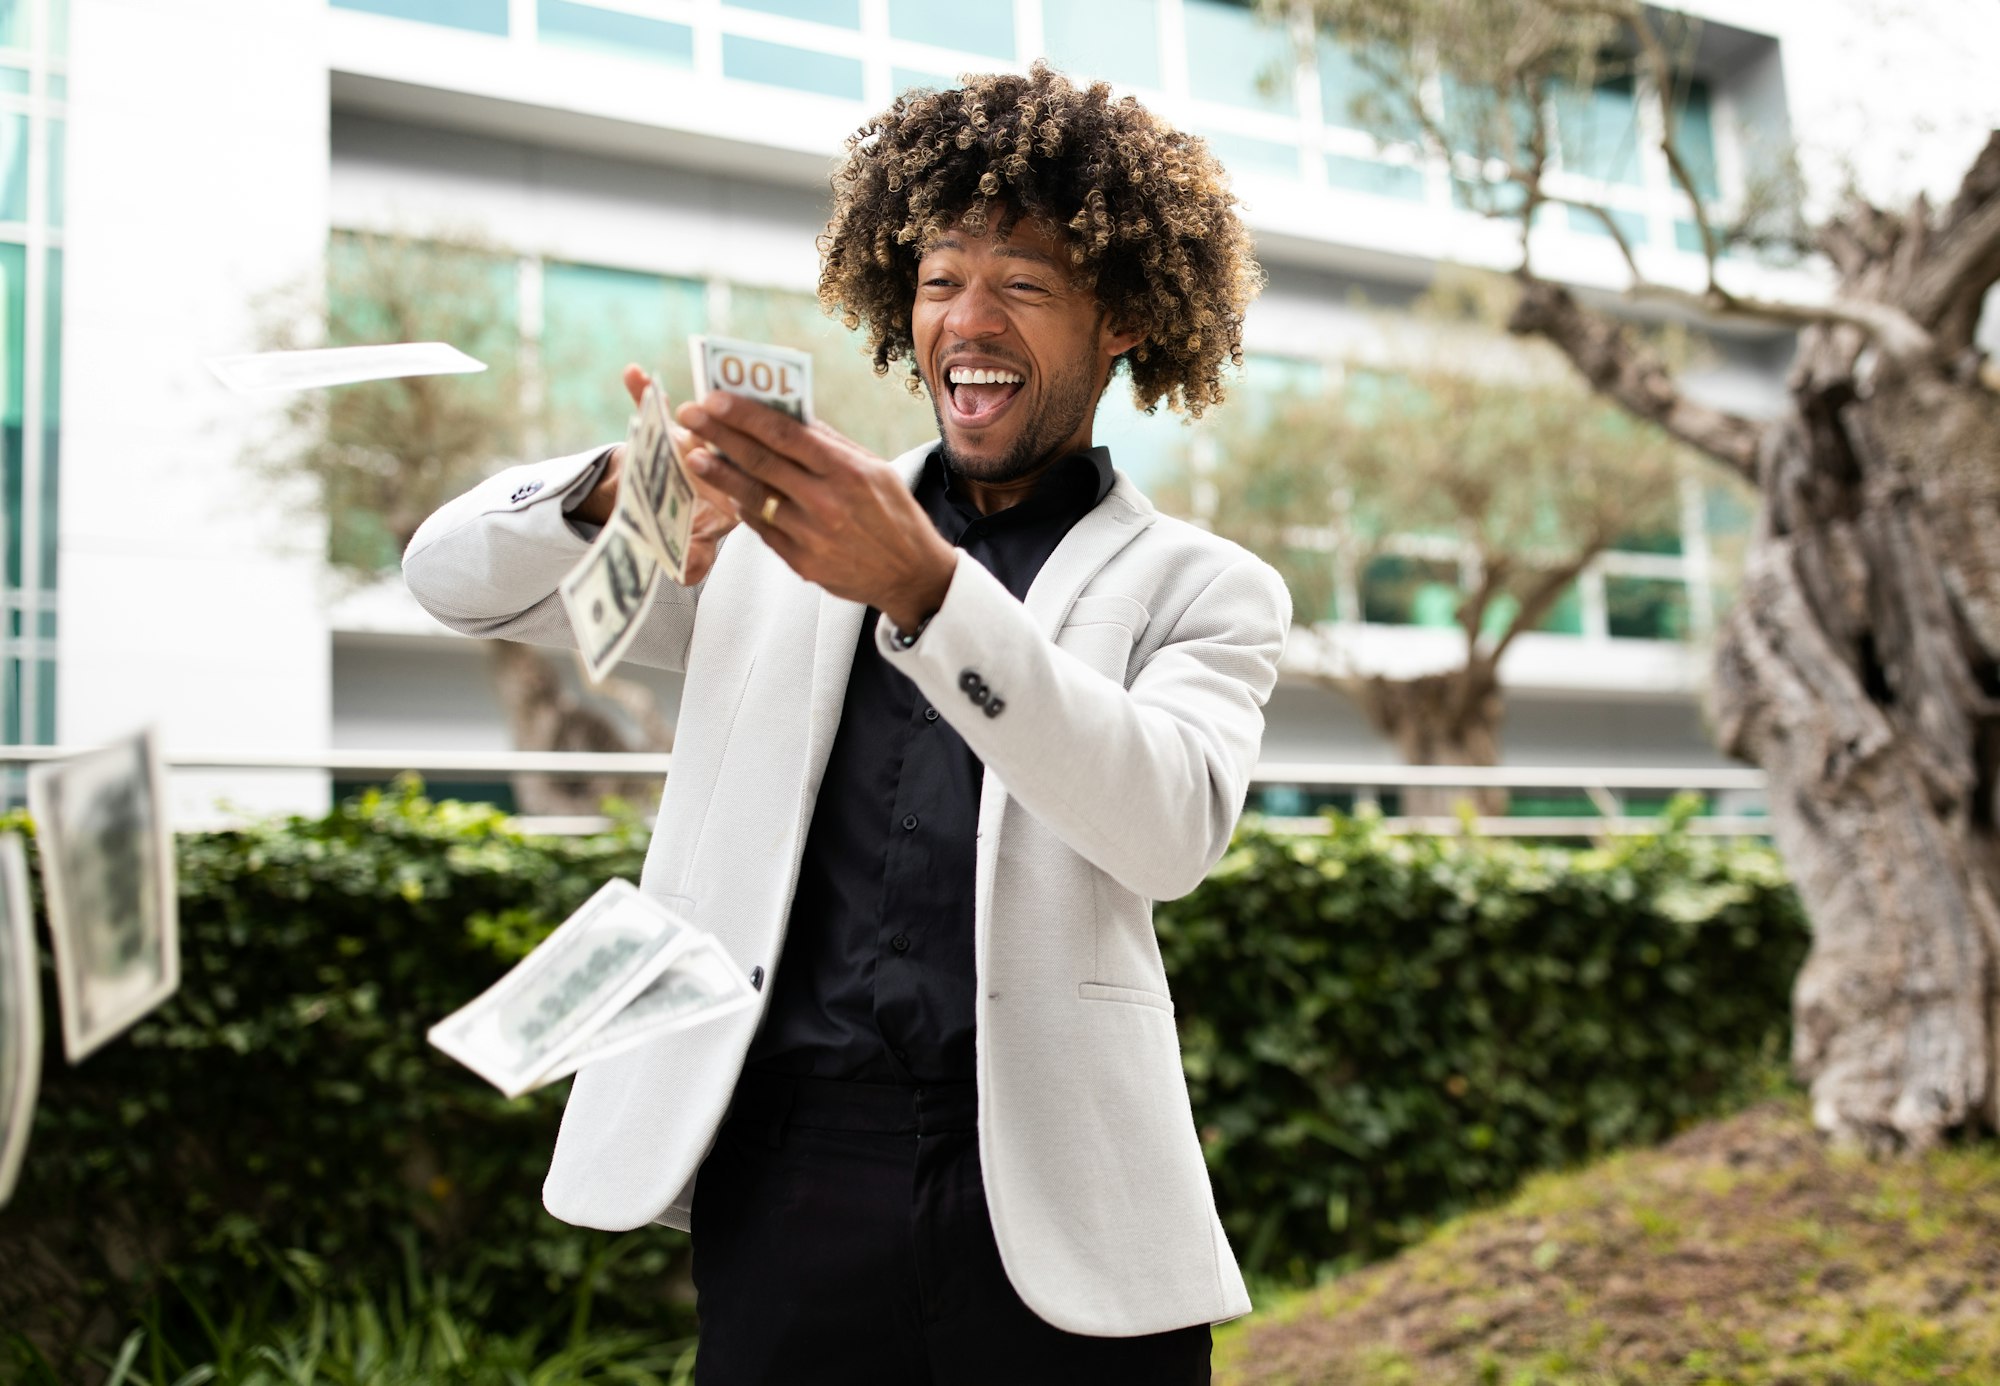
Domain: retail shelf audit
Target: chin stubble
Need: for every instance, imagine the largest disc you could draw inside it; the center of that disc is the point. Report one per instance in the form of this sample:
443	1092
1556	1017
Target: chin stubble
1069	404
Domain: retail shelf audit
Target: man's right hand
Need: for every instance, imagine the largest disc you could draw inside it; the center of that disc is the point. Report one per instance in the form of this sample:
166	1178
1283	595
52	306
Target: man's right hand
714	516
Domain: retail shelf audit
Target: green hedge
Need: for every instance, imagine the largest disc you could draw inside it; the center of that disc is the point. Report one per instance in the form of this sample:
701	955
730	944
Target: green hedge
1377	1031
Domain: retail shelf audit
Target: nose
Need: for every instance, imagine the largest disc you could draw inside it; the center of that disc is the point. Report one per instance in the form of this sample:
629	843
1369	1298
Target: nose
976	311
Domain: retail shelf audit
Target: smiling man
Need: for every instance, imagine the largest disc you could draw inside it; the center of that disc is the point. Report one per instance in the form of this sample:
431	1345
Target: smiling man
950	724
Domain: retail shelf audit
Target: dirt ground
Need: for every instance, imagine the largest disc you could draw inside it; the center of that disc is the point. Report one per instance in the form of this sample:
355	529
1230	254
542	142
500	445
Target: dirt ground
1745	1251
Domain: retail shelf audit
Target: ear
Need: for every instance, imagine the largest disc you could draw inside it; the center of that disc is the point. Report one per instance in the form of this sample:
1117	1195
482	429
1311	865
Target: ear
1113	341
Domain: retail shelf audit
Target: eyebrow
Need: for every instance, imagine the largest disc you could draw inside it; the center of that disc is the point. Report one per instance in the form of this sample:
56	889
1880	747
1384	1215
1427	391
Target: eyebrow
1013	252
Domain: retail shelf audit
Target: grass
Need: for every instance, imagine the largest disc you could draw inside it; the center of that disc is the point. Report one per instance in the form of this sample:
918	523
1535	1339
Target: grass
1744	1253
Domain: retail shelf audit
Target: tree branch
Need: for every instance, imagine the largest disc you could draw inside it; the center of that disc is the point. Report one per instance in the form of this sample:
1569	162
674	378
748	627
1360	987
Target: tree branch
1627	372
1543	596
1947	292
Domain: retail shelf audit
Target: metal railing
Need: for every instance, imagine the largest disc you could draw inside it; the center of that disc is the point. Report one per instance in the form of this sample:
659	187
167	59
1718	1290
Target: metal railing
1602	785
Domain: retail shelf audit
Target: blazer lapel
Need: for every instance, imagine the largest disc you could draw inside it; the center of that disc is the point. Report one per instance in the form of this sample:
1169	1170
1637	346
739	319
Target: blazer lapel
1091	543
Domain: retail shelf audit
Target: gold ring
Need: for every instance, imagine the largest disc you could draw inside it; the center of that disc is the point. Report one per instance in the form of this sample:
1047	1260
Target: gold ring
770	510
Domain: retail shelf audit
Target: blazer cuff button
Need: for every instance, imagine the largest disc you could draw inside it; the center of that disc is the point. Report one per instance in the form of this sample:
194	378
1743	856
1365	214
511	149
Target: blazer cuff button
994	705
968	679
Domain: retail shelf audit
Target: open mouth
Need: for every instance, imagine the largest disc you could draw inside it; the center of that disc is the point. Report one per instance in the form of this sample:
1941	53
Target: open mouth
980	394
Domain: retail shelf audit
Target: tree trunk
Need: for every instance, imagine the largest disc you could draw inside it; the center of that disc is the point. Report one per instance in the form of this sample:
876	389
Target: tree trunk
545	716
1450	718
1861	666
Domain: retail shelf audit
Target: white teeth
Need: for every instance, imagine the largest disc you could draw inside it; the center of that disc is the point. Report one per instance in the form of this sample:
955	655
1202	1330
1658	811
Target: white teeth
962	375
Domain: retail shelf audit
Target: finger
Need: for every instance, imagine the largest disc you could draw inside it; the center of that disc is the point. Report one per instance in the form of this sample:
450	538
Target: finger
636	381
752	457
782	544
773	432
745	494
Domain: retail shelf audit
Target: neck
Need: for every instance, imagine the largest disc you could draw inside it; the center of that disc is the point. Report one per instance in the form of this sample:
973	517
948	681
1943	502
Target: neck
988	496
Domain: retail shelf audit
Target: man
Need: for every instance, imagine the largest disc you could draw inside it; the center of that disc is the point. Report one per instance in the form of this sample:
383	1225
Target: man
950	724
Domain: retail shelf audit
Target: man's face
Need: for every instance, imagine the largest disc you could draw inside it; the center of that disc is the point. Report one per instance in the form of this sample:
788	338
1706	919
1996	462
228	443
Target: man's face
1013	352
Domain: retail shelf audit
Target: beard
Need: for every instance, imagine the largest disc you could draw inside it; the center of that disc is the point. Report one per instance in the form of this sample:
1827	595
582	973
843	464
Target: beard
1071	399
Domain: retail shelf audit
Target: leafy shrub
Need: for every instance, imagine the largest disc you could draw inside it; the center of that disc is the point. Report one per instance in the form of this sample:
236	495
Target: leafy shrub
1379	1030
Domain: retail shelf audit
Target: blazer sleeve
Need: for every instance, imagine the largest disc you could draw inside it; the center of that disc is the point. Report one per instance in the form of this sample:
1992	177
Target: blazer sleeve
1145	782
489	564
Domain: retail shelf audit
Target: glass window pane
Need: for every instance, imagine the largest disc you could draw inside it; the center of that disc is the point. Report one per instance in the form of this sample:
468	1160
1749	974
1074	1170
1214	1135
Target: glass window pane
986	29
780	65
1403	591
1117	40
1237	58
14	16
13	380
58	176
1694	139
13	167
614	31
1148	447
903	78
45	702
844	13
1645	608
15	80
10	700
1599	131
480	16
1245	153
59	27
594	321
1354	98
58	87
1376	177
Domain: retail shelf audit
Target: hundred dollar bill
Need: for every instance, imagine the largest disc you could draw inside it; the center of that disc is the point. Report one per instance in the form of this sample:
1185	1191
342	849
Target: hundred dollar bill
608	593
653	488
555	999
773	375
20	1014
108	874
702	984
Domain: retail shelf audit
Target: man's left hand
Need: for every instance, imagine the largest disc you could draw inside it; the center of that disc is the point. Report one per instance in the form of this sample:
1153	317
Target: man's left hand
842	519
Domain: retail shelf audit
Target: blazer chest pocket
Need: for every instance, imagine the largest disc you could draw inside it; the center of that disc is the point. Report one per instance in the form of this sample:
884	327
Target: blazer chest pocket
1126	996
1101	631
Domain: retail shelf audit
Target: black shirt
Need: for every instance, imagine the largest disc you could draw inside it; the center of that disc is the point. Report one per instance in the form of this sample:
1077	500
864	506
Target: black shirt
876	980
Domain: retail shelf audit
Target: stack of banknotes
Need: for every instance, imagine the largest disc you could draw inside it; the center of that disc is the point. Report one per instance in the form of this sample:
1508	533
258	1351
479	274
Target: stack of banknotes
610	590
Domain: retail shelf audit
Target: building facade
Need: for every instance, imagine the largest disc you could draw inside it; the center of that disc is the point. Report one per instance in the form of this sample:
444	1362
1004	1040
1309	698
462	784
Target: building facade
651	168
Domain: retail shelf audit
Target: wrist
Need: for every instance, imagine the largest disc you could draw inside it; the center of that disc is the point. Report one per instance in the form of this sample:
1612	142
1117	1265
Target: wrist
908	610
596	507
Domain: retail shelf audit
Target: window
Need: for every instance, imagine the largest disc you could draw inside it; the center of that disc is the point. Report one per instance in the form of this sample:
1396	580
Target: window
594	321
51	421
1237	58
1645	608
1354	98
1245	153
478	16
779	65
1694	140
903	78
1631	225
1599	131
986	28
614	31
13	404
1117	40
14	23
1372	176
13	167
58	179
843	14
1401	591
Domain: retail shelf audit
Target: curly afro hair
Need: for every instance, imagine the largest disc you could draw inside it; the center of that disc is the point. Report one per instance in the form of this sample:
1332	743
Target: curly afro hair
1150	222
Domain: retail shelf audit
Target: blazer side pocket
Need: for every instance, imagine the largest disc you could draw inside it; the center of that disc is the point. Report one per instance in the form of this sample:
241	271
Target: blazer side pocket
1129	996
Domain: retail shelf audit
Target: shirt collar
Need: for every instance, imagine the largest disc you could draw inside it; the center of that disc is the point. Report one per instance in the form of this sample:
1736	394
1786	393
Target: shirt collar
1092	464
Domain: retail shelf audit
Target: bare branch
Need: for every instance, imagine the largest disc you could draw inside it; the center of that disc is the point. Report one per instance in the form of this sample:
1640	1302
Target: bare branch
1627	372
1543	596
1947	292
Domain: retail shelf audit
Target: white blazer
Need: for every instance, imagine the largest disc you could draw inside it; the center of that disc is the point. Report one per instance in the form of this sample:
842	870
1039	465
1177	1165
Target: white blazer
1126	708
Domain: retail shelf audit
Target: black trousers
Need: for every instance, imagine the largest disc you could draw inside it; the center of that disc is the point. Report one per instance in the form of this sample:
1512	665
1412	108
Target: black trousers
841	1238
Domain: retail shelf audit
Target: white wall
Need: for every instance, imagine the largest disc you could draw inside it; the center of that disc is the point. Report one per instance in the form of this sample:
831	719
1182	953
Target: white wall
197	183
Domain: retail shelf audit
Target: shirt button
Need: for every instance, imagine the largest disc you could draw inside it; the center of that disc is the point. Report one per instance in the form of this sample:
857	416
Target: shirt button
930	714
901	943
910	823
902	1056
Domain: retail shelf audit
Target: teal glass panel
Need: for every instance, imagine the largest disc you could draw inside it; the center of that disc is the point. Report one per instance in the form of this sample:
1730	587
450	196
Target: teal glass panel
986	28
52	376
1242	153
1271	376
10	699
1694	139
780	65
903	78
843	14
1564	618
1401	591
596	320
58	173
1662	541
13	167
1239	59
58	27
1149	448
1687	236
478	16
1473	124
1646	608
1117	40
1599	131
1492	199
58	87
1353	98
13	397
14	24
14	80
1630	224
616	32
1372	176
45	702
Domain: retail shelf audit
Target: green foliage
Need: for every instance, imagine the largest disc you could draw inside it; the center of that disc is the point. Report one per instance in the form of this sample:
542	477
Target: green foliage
287	1097
1378	1030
